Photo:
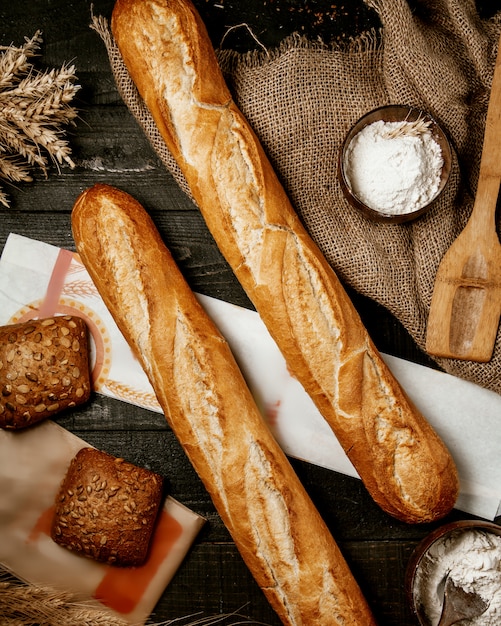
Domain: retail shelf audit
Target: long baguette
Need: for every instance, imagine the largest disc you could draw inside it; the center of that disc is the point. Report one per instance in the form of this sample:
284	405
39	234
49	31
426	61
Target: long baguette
399	457
279	533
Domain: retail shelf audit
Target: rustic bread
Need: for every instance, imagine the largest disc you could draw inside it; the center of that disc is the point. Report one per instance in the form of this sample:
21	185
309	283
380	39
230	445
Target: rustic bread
106	508
275	526
44	369
401	460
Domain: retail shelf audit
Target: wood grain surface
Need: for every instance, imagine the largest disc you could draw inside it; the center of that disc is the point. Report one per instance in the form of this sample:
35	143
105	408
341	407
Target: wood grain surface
107	146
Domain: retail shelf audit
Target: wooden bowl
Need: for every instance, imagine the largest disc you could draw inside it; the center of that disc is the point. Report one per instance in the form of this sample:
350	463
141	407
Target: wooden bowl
394	113
413	571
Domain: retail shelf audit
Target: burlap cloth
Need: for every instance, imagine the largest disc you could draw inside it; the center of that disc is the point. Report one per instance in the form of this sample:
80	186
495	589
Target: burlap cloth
302	98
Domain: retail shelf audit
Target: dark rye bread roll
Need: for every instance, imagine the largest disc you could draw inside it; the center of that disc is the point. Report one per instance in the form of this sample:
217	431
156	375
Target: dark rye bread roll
44	369
403	463
278	531
106	508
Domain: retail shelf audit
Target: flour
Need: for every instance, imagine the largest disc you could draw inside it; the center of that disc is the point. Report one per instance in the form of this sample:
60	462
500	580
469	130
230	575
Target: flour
394	172
473	560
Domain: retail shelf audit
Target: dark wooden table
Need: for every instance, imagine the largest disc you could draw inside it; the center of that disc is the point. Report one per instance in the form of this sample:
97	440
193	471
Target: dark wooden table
108	146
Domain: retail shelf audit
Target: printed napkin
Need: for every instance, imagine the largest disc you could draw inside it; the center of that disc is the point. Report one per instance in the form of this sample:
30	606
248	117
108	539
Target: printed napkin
38	279
33	463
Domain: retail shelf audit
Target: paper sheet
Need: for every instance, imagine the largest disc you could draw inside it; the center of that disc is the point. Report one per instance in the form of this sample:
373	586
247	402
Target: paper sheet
467	417
33	463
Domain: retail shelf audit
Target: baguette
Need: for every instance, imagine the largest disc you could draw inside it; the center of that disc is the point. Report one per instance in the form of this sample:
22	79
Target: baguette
400	459
275	526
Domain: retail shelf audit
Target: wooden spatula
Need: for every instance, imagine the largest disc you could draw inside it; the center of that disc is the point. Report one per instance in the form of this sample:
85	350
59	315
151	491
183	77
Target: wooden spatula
466	303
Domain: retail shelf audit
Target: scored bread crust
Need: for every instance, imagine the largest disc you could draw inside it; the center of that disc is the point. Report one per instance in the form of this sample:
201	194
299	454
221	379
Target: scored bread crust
277	529
402	462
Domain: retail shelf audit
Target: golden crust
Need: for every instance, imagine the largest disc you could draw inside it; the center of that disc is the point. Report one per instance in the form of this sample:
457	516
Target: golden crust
284	274
273	522
44	369
106	509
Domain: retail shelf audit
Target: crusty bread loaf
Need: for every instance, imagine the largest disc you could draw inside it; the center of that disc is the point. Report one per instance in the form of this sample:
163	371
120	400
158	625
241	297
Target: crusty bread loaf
401	460
278	531
44	369
106	508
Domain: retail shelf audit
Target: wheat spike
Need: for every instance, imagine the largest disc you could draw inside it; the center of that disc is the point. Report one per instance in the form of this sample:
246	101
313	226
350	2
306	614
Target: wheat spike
23	604
407	128
34	108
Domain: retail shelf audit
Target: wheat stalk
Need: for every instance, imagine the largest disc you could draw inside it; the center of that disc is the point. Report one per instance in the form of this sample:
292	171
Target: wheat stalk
79	288
124	392
23	604
14	61
27	605
406	128
34	108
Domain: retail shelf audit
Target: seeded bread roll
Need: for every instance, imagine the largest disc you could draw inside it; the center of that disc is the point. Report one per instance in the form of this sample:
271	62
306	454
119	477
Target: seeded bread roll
275	526
404	465
44	369
106	509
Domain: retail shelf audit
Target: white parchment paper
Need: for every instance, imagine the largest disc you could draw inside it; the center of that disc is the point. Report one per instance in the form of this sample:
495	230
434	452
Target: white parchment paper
466	416
33	463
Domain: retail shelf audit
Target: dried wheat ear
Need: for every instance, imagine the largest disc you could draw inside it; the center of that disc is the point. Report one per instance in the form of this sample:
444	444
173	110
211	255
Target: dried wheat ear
406	128
35	106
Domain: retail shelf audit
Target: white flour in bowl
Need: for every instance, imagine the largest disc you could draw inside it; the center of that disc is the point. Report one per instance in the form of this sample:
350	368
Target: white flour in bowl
394	172
472	558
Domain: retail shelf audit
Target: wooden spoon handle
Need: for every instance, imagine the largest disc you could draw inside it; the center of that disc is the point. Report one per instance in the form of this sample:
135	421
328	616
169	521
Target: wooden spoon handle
466	303
490	164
